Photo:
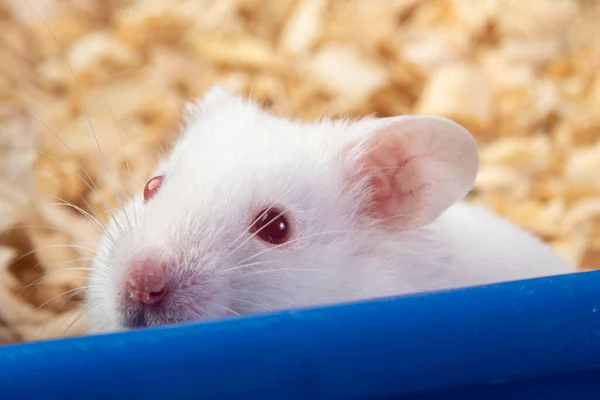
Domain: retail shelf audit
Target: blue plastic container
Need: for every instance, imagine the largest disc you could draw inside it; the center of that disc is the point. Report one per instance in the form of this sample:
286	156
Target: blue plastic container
517	340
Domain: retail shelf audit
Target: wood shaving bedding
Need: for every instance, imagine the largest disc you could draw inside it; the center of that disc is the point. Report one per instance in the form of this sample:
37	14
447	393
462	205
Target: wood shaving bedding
522	76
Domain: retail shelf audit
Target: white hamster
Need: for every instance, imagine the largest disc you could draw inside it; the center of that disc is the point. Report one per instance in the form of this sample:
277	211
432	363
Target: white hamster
253	213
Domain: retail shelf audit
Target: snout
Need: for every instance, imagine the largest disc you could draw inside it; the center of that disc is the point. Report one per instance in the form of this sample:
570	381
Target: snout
159	290
147	281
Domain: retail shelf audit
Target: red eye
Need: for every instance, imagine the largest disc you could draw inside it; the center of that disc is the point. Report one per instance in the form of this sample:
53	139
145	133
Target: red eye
272	226
152	187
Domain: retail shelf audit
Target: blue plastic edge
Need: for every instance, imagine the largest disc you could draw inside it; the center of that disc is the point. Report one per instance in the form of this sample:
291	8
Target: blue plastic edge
534	337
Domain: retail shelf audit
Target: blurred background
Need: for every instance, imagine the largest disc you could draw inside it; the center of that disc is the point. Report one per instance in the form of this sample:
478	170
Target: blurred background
92	86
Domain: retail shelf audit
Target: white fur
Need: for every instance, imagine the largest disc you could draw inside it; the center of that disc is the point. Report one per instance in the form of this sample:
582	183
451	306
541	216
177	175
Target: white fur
234	160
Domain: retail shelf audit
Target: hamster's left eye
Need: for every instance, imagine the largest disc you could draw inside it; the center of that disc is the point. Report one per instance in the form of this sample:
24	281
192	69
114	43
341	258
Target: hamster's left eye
152	187
272	226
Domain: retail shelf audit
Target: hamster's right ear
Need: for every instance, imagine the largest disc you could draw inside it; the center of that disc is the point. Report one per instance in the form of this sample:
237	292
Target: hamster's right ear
416	167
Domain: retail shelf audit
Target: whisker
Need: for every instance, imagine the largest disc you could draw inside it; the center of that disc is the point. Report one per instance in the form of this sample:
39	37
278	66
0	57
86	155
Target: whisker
249	302
243	233
207	315
83	104
294	241
162	150
101	263
79	209
70	170
258	231
75	246
407	216
102	227
104	325
94	189
93	217
70	297
102	230
40	280
62	202
375	223
60	270
263	294
242	266
253	235
227	309
90	218
253	222
236	267
103	158
83	312
49	227
65	300
78	289
264	271
124	155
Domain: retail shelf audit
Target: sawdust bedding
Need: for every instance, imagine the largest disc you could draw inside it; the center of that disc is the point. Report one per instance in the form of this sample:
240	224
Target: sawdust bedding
521	75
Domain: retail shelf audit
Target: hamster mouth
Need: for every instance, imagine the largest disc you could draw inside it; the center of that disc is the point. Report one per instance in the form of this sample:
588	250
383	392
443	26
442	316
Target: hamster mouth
134	316
145	316
182	303
134	320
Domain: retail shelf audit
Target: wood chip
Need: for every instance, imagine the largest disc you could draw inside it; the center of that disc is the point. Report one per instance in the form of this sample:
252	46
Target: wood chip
521	75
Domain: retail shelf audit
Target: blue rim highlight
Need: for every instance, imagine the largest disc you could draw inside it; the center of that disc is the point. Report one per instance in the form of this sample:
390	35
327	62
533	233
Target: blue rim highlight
538	337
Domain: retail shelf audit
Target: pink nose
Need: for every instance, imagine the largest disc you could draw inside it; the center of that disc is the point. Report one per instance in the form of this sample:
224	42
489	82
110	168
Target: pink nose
146	282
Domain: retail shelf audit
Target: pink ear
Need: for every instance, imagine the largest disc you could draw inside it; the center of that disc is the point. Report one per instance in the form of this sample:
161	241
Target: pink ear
419	166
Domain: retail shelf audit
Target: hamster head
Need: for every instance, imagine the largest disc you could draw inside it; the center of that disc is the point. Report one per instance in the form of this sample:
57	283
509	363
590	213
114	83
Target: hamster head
251	212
